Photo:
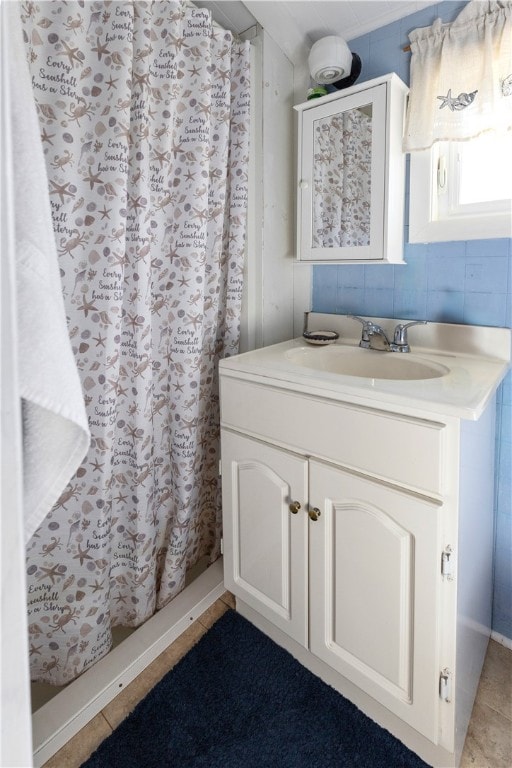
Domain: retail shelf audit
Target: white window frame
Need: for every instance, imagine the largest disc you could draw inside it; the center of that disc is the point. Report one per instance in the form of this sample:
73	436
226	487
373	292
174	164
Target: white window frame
434	219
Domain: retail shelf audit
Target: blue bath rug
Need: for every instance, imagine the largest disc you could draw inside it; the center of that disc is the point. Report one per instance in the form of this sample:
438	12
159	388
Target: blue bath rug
237	700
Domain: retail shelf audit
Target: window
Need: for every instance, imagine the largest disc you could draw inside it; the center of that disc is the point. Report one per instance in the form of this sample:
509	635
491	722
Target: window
462	190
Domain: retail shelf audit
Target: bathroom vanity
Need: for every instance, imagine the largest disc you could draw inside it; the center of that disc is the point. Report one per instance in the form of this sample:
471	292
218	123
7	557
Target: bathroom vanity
358	516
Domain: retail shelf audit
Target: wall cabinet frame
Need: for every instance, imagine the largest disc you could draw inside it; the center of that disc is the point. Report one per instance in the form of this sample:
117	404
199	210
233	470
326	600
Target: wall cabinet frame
351	175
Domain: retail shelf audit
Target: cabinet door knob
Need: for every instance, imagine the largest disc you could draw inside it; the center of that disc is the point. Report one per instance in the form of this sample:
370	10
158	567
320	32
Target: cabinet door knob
303	184
294	507
314	513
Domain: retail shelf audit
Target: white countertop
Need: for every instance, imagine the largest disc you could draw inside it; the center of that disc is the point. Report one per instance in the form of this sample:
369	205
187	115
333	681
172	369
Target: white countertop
477	357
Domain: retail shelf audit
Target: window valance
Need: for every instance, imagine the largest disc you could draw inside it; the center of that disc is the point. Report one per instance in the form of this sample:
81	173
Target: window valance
461	76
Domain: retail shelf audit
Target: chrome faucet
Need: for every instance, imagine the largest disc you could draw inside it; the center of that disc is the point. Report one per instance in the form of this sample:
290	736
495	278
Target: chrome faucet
400	342
371	329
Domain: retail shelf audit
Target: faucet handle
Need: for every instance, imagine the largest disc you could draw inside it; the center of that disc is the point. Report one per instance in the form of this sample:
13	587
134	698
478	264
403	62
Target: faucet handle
400	335
361	319
367	324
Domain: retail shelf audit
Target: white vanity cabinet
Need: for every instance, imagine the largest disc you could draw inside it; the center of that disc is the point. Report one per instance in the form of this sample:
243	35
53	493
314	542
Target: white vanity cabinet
345	541
336	560
374	581
351	174
265	542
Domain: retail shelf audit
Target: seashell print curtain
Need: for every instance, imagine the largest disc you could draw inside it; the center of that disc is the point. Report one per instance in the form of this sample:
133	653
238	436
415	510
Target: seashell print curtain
461	76
144	110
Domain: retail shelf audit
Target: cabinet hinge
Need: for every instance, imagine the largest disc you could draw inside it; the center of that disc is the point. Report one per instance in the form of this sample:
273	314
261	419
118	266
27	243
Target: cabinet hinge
447	563
445	685
222	546
220	467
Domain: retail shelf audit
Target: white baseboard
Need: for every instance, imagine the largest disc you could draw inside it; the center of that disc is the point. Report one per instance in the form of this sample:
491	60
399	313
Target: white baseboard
70	710
502	640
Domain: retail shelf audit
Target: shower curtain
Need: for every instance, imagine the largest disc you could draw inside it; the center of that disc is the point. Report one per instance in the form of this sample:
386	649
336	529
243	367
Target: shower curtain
144	110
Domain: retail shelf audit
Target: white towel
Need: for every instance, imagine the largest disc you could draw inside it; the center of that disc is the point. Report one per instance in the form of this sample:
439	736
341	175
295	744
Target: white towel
55	430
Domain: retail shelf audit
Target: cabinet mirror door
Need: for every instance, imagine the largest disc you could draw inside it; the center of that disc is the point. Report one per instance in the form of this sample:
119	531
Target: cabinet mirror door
341	188
342	178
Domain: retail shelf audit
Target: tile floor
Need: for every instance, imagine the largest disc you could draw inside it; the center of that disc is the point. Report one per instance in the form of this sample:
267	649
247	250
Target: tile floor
488	743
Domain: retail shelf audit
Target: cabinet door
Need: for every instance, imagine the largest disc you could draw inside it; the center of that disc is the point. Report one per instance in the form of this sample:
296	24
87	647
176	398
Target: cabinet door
341	181
265	543
375	581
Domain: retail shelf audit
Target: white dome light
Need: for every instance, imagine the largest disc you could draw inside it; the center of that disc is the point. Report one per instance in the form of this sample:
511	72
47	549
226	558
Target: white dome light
329	60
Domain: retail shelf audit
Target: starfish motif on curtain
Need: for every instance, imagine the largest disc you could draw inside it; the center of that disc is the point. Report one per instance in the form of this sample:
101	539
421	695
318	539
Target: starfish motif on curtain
101	49
73	54
456	103
61	190
93	178
82	555
47	137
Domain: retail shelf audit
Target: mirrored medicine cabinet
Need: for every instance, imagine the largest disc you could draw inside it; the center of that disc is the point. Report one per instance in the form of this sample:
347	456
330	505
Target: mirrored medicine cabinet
351	175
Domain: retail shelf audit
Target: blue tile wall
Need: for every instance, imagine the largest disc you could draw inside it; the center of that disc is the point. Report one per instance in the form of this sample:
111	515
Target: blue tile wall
458	282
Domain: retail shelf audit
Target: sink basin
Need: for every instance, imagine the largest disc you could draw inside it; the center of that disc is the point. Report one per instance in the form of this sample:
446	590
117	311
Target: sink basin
366	363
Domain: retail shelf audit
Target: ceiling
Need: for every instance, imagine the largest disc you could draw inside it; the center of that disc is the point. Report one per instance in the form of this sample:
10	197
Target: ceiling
309	20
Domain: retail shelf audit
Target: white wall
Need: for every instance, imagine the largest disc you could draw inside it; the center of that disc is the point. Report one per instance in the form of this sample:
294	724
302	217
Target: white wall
278	189
286	285
268	307
302	273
